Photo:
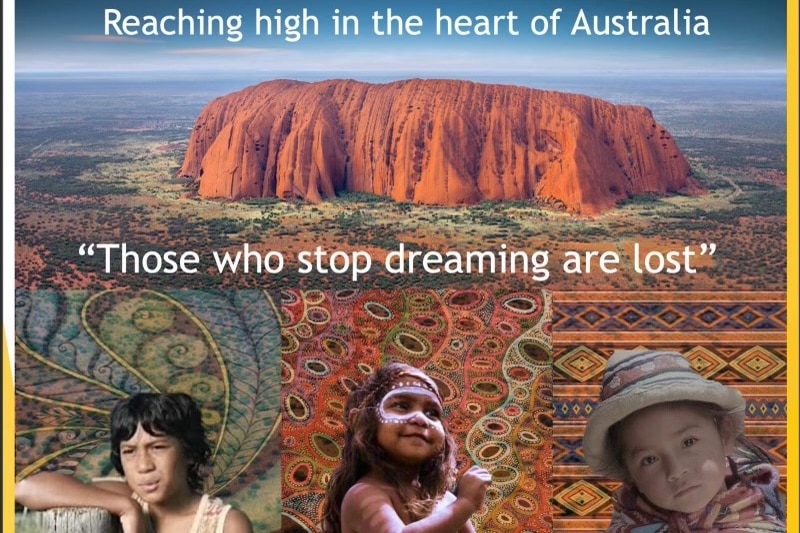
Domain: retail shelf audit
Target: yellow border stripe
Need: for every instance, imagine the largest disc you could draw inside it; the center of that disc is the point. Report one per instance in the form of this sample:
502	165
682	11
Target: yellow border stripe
792	189
8	439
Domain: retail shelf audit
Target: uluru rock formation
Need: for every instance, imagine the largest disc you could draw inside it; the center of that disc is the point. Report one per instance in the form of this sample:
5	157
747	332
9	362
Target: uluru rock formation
441	142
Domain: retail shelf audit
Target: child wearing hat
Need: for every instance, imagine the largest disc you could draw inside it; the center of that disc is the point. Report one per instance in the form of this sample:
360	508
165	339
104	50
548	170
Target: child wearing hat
670	436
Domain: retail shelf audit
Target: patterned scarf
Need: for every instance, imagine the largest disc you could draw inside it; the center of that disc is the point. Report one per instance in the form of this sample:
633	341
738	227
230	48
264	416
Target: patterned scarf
742	508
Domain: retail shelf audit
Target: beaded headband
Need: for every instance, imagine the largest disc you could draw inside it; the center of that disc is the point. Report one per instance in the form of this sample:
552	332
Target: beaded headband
416	381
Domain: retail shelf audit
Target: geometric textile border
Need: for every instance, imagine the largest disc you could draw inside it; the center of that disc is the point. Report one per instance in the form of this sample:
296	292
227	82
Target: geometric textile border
738	339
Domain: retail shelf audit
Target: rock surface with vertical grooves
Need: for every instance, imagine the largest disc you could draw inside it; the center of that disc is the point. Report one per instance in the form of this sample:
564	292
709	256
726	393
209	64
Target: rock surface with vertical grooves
442	142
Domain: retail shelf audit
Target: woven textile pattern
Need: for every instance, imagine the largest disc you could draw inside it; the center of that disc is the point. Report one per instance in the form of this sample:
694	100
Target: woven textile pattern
490	354
78	353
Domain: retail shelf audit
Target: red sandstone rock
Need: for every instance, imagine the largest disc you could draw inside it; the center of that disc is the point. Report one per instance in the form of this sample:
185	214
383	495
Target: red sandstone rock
431	141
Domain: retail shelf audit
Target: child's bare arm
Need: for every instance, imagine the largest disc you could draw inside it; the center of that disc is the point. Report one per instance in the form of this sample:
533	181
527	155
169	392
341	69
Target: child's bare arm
467	528
449	497
367	508
49	490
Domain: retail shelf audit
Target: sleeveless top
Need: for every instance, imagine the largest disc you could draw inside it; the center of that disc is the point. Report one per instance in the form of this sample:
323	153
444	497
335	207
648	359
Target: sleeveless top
209	518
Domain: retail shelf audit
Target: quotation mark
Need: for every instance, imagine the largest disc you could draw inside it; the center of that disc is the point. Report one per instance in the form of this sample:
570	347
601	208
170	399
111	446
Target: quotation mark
708	249
84	251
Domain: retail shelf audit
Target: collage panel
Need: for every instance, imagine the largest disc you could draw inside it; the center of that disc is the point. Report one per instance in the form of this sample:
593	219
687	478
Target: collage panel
737	342
487	354
81	354
240	253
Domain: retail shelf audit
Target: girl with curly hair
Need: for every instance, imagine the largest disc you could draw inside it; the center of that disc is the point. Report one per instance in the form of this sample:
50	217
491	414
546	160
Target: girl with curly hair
399	462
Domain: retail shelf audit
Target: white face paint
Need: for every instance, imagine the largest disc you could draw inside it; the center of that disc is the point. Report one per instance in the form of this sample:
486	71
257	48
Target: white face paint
411	403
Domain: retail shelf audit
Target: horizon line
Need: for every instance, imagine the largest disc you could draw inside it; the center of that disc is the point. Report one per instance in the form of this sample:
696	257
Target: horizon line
578	73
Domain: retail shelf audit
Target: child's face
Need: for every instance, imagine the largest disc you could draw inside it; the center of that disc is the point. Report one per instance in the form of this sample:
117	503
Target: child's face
155	467
410	428
675	456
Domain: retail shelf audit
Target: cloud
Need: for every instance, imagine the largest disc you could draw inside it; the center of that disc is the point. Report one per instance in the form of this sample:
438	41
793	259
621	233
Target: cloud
109	39
225	51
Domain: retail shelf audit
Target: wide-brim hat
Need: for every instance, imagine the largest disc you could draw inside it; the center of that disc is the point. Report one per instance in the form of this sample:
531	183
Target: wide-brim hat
635	379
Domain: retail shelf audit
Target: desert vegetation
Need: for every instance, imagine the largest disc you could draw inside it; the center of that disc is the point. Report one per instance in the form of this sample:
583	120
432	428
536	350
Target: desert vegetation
83	177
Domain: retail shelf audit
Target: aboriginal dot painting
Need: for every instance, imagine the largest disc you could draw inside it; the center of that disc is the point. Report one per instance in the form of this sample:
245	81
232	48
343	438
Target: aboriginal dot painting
488	352
78	353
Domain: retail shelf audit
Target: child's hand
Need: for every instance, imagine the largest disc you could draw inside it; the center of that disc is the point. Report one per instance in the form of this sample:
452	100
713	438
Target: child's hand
132	519
472	486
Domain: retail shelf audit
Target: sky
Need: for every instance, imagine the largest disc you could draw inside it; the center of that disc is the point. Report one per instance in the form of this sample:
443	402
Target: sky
70	37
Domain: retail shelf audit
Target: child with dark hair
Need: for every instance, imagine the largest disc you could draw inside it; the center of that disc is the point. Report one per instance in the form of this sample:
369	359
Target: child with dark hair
159	445
399	462
173	415
671	437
